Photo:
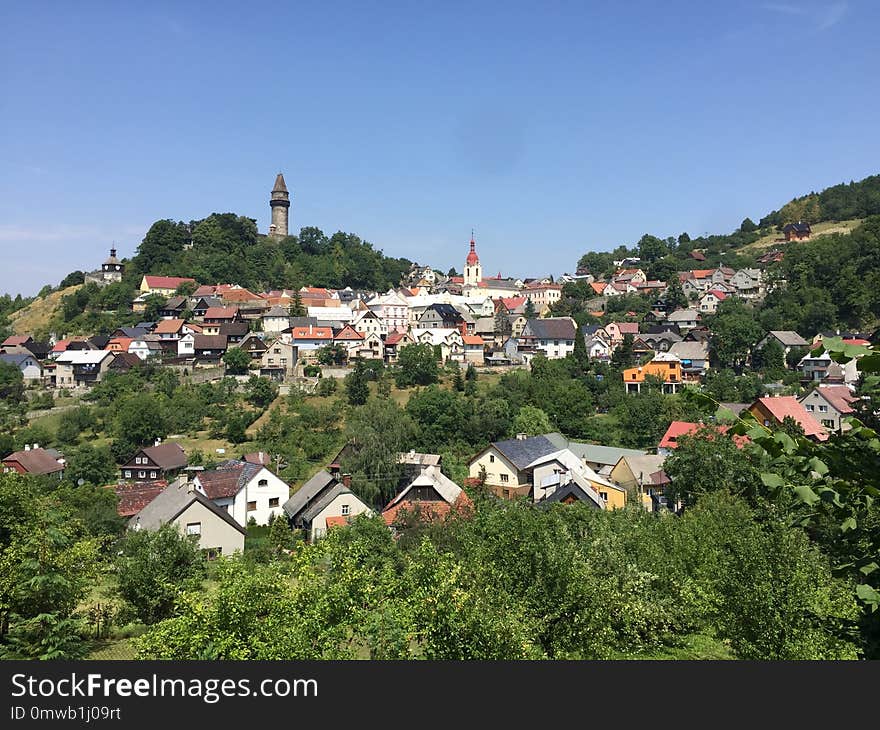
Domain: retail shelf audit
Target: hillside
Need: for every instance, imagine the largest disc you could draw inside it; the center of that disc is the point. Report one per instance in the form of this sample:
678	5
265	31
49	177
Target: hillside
37	315
819	229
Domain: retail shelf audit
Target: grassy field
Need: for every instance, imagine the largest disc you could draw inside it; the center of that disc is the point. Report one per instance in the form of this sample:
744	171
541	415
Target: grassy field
820	229
701	646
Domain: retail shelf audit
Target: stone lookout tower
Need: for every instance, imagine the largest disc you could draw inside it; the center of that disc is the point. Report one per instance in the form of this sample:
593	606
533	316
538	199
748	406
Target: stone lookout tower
280	203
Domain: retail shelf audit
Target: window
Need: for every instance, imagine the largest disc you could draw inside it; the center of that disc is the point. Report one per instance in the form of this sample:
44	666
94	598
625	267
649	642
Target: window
142	474
128	473
491	458
346	510
811	407
263	483
251	506
604	496
823	409
152	475
828	423
273	502
193	528
504	477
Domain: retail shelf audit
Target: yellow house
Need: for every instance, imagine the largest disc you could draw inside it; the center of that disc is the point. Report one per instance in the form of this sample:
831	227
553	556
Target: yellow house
163	285
506	464
640	476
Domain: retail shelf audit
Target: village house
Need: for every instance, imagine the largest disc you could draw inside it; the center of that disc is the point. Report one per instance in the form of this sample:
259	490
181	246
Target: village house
830	404
796	231
788	339
505	464
822	369
215	317
146	347
31	370
684	319
431	495
694	358
310	338
474	349
244	491
81	368
195	516
202	304
36	461
771	411
710	300
552	336
279	360
392	344
209	349
160	461
173	308
162	285
255	346
748	283
275	320
322	502
643	479
392	310
449	342
562	476
367	323
677	429
665	367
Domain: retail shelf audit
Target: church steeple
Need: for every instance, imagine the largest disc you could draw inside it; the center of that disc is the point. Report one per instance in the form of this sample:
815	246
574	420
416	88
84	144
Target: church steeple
473	272
279	203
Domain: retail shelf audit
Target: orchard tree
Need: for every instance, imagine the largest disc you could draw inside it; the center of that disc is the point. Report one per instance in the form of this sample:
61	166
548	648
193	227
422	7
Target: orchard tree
675	296
261	391
531	421
417	365
237	361
357	387
92	464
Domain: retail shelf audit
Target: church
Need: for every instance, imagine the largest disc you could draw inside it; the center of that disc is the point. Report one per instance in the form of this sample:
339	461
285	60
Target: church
473	283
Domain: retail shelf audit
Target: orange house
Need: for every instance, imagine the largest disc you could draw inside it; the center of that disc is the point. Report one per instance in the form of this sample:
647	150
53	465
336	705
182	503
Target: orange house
669	371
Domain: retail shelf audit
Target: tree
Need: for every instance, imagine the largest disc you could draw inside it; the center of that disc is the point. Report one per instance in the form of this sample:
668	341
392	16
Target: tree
186	289
417	365
675	296
531	421
357	388
153	567
296	308
748	226
470	373
237	361
139	420
623	355
333	354
770	358
11	383
652	248
452	272
261	391
458	381
709	461
529	309
92	464
734	332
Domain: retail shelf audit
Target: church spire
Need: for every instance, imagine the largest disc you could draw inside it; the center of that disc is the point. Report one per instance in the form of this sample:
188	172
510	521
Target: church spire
280	187
279	204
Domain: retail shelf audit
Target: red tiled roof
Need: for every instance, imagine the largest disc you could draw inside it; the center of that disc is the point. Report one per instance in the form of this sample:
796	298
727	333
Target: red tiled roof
35	461
311	333
168	326
473	340
702	273
348	333
15	340
719	295
394	338
787	405
119	344
855	341
677	429
239	295
456	279
221	312
839	396
428	511
205	290
598	286
338	521
166	282
512	302
628	328
134	496
258	457
61	346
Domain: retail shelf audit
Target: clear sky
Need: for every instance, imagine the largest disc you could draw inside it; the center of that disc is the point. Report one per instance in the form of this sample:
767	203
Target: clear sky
552	128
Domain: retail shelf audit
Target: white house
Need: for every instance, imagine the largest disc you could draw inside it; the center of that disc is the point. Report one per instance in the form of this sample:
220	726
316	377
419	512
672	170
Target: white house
277	319
244	490
31	370
186	345
392	310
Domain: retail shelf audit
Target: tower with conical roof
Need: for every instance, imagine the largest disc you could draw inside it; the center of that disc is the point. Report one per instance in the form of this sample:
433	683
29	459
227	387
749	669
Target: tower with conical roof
473	272
279	203
112	269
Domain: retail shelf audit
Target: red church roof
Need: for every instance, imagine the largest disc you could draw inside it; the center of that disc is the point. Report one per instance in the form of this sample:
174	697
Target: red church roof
472	258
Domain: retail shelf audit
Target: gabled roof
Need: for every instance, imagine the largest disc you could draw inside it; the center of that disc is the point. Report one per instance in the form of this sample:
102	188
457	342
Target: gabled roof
277	311
132	332
210	342
168	327
789	338
556	328
522	452
175	303
644	465
19	360
431	476
677	429
683	315
628	328
394	338
14	340
308	492
83	357
689	350
787	405
171	502
348	333
796	227
228	478
473	340
314	509
166	282
166	456
134	496
36	461
839	397
575	487
221	312
311	333
233	329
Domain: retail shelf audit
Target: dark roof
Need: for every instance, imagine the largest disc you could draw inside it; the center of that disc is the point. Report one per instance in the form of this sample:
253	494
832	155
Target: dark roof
234	329
551	329
36	461
228	478
99	341
302	322
796	227
165	456
40	349
175	303
572	489
308	492
125	361
327	496
522	452
210	342
446	311
173	500
18	360
135	333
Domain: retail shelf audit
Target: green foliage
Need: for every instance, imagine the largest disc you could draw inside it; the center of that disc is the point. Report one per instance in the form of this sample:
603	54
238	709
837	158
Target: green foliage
531	421
357	388
152	569
11	383
261	391
334	354
623	355
734	334
92	464
416	365
237	361
327	387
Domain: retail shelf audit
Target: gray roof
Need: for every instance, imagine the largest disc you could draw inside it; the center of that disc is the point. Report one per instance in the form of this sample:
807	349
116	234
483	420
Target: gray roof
170	502
576	488
133	332
560	328
690	350
19	360
276	311
735	408
789	338
683	315
308	492
643	465
485	324
522	452
592	453
325	498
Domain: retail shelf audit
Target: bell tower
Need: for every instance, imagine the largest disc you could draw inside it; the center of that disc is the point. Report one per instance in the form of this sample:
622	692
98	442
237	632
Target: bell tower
279	204
473	272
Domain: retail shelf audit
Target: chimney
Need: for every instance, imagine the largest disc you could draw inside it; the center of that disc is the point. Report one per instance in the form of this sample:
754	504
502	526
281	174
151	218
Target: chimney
521	436
158	441
261	457
36	446
346	481
333	468
27	447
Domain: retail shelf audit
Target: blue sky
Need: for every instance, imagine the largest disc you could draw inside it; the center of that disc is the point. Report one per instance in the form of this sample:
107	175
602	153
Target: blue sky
552	128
